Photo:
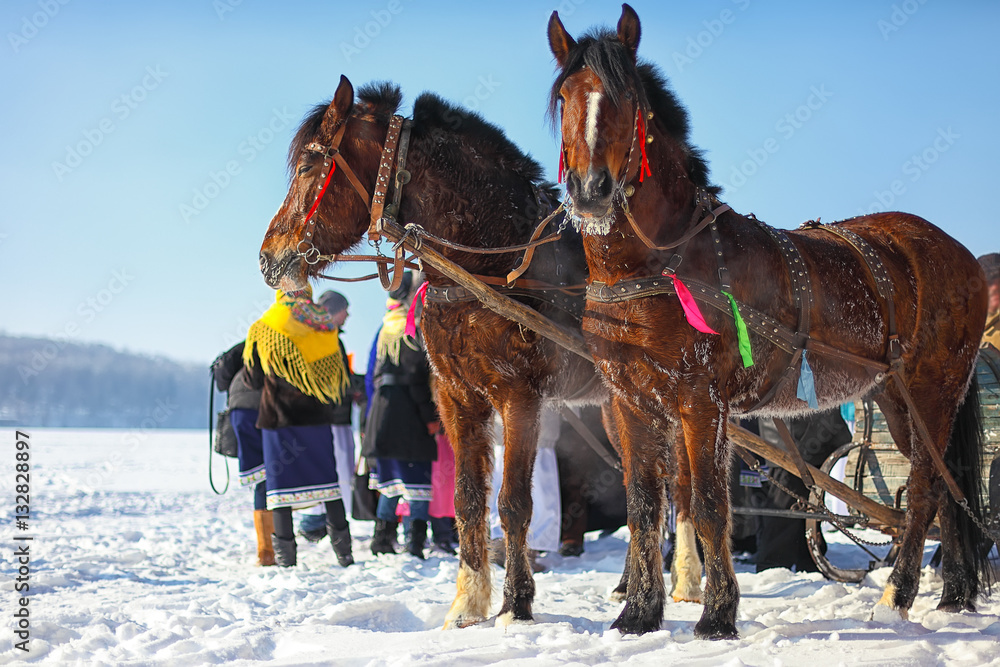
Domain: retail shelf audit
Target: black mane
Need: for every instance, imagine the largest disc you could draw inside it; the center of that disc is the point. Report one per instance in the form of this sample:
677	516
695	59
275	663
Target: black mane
432	117
602	52
435	118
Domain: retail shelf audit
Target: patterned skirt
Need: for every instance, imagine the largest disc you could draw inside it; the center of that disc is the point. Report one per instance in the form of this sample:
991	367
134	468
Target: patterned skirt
409	479
249	445
300	465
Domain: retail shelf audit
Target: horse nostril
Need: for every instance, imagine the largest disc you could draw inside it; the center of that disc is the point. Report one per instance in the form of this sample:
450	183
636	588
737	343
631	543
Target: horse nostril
604	184
265	262
572	184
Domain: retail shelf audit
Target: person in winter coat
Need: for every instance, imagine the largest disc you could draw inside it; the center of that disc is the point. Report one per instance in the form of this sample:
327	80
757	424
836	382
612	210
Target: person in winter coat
402	422
312	521
293	354
243	401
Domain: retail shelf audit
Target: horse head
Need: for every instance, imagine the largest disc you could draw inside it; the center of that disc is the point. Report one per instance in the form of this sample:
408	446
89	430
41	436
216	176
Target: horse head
600	112
333	161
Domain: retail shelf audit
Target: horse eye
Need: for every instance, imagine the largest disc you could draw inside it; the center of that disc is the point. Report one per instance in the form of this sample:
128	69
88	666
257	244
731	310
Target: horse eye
304	169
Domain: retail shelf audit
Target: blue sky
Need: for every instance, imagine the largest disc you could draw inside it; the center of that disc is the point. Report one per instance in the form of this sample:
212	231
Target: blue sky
144	144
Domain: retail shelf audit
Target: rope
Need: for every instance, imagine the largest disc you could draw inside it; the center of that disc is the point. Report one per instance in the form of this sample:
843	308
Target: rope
211	431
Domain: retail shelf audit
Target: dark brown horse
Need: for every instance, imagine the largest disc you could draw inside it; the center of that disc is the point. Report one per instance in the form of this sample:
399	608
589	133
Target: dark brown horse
637	189
471	185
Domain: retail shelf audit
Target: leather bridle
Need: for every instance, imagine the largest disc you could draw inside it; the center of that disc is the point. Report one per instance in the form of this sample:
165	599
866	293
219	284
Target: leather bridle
393	150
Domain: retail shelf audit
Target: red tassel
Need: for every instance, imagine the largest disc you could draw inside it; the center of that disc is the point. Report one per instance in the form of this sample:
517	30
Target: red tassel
561	153
644	169
411	317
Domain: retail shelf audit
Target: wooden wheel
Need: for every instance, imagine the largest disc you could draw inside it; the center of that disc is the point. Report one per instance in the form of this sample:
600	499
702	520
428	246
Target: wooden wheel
814	533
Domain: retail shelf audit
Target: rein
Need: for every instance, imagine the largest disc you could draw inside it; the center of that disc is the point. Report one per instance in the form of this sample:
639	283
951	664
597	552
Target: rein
396	146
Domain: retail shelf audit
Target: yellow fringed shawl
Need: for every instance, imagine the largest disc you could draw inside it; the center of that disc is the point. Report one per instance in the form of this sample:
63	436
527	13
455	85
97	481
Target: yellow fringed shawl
391	335
308	359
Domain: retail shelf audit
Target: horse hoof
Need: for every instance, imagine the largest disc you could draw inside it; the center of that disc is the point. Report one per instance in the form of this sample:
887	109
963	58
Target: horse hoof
631	623
508	619
687	593
715	630
570	548
883	613
460	622
956	606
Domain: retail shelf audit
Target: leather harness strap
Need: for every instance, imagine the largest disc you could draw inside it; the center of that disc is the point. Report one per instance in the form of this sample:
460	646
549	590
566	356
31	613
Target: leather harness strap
878	272
802	297
382	180
556	296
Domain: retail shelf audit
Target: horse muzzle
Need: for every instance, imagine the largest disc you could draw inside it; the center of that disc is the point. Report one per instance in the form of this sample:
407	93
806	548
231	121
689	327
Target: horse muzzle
593	194
274	269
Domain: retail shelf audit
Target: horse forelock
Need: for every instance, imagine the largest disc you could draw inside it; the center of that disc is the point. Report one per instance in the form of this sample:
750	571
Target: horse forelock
306	133
609	60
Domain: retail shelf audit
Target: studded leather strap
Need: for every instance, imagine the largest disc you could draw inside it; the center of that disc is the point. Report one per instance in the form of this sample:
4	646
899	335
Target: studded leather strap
382	180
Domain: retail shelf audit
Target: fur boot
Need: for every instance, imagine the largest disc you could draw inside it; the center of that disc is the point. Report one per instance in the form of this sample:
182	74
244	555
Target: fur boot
263	524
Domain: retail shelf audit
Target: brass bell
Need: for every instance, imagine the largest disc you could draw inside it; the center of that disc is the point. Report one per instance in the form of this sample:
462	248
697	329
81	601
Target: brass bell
629	190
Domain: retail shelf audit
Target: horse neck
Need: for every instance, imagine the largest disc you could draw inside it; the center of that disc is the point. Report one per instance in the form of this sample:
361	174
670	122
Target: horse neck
662	207
447	198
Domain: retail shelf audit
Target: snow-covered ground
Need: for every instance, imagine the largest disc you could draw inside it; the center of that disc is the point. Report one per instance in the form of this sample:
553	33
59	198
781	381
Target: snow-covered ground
135	561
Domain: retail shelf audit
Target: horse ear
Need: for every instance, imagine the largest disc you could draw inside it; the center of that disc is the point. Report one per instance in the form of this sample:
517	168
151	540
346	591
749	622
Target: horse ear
559	40
629	30
340	107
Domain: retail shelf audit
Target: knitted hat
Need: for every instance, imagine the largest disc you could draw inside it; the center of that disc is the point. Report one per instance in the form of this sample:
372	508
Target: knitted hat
333	302
399	294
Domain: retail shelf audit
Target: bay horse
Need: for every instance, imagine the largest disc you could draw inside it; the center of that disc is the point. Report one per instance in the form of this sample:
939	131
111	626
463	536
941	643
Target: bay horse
886	304
473	186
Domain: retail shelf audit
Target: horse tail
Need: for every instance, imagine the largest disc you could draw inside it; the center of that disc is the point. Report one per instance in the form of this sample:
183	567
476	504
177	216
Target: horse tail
964	458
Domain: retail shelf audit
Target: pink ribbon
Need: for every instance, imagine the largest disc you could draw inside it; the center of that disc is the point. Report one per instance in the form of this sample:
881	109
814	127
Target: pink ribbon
690	306
411	317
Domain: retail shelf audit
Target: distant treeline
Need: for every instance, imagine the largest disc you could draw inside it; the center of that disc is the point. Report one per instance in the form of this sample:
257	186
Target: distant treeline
46	382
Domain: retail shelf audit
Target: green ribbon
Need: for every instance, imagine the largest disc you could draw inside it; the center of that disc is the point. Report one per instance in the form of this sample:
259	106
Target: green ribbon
741	333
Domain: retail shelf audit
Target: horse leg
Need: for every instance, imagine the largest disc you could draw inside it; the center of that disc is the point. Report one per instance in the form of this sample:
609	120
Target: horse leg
685	571
611	428
960	578
643	459
923	493
703	417
520	435
467	423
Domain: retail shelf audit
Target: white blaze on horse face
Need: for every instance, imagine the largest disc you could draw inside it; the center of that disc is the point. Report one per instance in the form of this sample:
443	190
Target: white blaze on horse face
593	102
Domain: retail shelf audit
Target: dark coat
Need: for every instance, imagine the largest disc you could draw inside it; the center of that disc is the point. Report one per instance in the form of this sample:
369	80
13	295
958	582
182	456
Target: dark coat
283	405
231	377
401	407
